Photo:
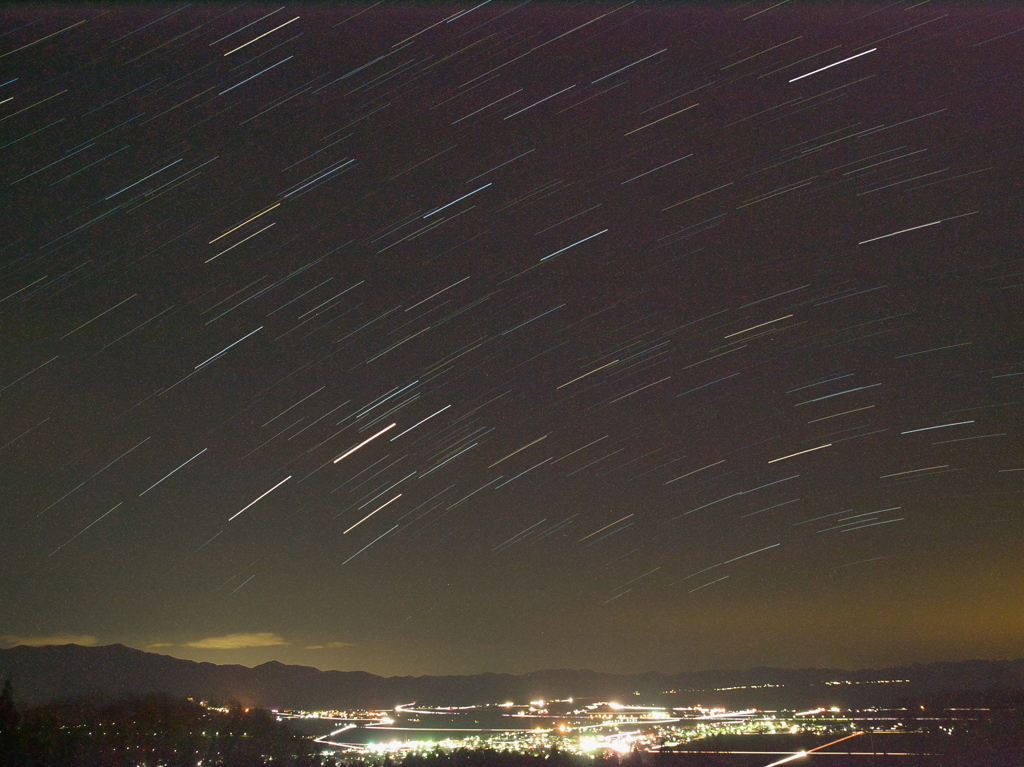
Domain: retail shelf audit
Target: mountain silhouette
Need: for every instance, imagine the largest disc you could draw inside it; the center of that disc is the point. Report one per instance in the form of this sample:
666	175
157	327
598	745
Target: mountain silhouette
60	672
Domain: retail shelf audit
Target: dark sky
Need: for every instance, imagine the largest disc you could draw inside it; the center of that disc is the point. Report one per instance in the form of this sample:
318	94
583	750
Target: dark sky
430	338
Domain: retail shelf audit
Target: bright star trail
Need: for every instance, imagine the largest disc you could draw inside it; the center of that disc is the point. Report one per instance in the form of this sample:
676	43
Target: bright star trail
679	336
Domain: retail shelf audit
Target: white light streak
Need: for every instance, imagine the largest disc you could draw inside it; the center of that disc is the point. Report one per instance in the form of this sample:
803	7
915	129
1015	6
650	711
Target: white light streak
282	61
695	471
518	451
481	109
845	412
586	374
605	527
91	476
914	471
573	245
741	556
755	327
830	396
793	455
262	496
518	536
535	103
580	448
239	243
365	441
620	69
33	370
263	35
872	524
708	584
115	194
418	423
98	316
436	294
829	66
382	399
230	34
357	524
911	229
637	391
517	476
645	173
293	406
82	531
180	467
369	545
455	201
243	583
940	426
215	356
323	176
467	497
660	119
229	231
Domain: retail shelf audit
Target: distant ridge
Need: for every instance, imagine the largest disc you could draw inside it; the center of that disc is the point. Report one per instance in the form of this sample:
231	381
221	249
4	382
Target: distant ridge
57	672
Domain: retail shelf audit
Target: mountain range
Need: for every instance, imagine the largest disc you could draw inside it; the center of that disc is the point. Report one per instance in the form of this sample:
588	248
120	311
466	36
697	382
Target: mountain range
59	672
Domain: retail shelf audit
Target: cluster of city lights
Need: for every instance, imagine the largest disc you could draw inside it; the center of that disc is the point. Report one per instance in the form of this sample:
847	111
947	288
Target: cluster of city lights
587	728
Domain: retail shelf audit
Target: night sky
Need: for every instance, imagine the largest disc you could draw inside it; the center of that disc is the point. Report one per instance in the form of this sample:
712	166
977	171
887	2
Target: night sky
441	338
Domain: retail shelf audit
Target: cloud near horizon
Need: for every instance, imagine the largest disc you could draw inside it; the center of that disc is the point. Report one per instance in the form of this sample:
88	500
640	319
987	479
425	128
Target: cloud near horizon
238	641
82	639
330	645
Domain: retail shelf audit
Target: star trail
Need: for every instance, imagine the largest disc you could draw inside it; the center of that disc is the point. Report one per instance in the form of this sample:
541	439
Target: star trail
448	338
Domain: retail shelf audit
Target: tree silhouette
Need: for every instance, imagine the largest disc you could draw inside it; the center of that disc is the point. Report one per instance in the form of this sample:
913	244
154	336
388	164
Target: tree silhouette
143	732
